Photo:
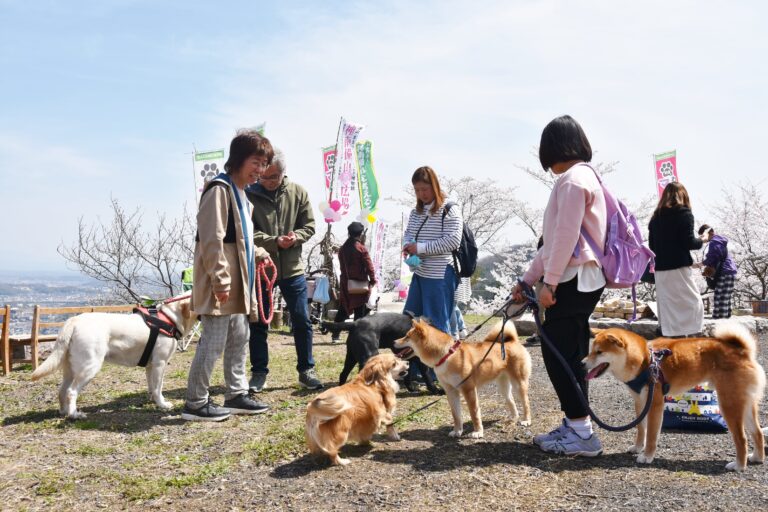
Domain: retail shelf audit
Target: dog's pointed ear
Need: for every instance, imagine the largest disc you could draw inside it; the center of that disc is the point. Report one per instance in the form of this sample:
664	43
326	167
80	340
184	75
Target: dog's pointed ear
616	340
595	331
186	310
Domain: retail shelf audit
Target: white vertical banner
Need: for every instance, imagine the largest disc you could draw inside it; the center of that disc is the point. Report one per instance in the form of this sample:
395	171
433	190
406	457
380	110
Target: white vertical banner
344	178
378	237
208	164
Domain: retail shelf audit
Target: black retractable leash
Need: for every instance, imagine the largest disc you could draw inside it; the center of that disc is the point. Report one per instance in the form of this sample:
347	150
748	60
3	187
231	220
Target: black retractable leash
653	370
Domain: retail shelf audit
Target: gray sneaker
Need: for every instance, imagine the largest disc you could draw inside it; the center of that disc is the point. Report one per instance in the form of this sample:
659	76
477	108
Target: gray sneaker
573	444
308	379
208	412
257	382
552	435
243	404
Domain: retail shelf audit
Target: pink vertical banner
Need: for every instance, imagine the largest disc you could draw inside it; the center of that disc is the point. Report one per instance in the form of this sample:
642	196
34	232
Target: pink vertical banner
329	162
666	170
344	177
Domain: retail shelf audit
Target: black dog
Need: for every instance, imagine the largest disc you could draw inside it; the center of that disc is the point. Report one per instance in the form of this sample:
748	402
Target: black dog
368	334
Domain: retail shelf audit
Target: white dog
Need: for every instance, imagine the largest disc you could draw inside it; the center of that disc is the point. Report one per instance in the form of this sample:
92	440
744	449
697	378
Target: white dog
87	340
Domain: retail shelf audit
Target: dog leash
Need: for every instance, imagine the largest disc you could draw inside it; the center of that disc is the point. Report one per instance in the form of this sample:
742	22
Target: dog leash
654	369
506	318
269	284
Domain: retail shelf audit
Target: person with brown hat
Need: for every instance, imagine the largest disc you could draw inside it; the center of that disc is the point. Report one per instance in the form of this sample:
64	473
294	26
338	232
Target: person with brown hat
357	276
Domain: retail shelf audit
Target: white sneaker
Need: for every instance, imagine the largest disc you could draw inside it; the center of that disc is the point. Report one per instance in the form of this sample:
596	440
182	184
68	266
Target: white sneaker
573	444
552	435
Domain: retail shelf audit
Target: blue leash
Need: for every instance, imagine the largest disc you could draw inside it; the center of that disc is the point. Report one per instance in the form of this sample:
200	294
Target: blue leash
653	377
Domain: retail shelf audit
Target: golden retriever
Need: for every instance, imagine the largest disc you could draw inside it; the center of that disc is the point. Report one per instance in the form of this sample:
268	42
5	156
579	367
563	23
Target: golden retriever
456	361
726	361
356	410
87	340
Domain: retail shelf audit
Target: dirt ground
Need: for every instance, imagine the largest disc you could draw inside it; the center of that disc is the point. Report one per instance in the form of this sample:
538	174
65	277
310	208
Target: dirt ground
128	455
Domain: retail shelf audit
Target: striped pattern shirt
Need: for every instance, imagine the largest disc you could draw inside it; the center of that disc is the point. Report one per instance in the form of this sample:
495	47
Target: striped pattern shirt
437	238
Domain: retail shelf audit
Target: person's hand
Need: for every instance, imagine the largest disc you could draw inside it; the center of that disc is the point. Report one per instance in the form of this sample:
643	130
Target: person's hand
410	248
286	241
547	296
222	297
517	294
262	255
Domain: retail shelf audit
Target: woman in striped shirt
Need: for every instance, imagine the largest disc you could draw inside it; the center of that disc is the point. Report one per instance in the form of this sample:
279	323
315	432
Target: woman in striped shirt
433	233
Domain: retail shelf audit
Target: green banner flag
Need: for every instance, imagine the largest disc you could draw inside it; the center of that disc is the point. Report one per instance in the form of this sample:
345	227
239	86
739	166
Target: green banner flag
369	186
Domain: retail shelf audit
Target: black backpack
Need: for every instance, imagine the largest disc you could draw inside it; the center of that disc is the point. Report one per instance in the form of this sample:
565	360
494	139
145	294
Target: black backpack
465	257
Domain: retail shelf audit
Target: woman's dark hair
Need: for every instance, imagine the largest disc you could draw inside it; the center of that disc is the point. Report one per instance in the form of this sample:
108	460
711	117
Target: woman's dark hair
674	196
705	227
427	175
247	143
563	140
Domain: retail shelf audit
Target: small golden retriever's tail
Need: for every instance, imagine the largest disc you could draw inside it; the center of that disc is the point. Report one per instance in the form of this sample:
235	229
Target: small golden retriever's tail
737	336
510	333
324	408
55	358
321	410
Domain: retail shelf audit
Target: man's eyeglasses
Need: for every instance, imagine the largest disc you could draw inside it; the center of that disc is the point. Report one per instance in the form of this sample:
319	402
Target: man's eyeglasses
276	177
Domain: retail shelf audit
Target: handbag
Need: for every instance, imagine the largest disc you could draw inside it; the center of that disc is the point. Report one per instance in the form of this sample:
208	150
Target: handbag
710	275
320	293
357	287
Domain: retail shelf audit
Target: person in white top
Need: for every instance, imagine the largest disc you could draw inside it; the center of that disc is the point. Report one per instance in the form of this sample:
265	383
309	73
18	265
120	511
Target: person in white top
433	233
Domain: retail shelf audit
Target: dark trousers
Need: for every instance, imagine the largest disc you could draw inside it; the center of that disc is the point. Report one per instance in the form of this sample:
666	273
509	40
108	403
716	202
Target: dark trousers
294	290
566	325
359	312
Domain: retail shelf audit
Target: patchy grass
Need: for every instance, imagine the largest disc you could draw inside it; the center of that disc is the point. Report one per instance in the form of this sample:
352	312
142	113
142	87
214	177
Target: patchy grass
128	454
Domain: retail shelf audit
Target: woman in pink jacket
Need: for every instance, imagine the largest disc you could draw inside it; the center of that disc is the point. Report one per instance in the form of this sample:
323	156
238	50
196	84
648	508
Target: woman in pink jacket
573	278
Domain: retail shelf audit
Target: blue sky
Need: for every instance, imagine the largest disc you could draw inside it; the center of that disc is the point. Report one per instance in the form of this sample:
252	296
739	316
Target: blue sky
101	99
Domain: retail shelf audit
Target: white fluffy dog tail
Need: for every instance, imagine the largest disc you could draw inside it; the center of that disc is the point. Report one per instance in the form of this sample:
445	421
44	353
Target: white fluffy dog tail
735	334
56	357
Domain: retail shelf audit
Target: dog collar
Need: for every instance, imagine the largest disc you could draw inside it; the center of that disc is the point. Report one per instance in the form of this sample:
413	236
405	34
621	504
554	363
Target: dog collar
451	350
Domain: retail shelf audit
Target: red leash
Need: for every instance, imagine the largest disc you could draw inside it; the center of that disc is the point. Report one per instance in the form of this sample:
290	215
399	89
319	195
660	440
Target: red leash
261	273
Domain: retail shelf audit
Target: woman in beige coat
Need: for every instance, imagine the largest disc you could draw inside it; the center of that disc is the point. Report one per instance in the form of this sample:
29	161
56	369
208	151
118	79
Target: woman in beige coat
224	273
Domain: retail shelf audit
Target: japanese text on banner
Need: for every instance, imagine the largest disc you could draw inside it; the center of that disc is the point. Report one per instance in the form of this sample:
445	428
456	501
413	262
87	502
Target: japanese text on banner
344	175
378	243
369	186
329	161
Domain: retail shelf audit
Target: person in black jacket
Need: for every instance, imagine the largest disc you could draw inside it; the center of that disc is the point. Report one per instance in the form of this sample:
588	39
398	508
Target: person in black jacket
671	237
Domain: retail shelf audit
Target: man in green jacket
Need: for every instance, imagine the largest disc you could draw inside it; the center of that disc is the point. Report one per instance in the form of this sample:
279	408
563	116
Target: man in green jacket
282	222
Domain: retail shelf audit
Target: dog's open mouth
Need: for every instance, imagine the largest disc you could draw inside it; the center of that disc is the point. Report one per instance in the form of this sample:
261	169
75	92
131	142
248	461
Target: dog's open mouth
403	353
402	374
597	371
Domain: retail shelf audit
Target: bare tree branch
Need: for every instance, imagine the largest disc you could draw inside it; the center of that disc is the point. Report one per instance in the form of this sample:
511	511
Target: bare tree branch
131	259
742	217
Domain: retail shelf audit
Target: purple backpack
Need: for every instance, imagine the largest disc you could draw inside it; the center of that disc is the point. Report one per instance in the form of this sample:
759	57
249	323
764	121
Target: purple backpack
625	255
